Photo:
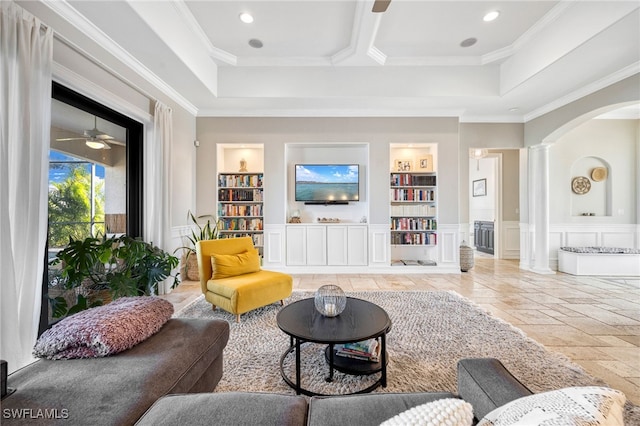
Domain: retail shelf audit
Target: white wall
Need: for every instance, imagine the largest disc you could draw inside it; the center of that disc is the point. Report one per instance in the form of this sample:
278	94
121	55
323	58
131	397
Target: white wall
597	142
482	207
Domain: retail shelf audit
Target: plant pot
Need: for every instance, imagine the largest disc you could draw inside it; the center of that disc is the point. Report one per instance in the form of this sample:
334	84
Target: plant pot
189	268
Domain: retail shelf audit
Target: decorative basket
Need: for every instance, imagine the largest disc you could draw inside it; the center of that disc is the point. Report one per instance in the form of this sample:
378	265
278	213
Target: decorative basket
466	257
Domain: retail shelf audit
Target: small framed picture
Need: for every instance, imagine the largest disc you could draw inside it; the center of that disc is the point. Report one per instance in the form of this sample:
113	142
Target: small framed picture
425	164
480	188
403	165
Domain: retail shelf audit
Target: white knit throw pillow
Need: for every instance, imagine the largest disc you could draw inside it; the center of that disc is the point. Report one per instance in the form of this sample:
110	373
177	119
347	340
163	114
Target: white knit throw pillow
445	412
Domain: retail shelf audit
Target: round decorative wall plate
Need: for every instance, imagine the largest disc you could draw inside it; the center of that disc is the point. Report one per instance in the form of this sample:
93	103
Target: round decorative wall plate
598	174
580	185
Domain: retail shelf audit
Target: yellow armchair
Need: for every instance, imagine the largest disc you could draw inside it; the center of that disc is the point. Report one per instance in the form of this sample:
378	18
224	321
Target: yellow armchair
231	277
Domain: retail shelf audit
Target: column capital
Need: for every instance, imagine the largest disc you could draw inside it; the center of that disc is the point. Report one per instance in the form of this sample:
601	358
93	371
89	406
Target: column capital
540	147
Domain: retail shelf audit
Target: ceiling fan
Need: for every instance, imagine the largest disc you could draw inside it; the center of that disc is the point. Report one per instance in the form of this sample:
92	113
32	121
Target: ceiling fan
380	6
93	138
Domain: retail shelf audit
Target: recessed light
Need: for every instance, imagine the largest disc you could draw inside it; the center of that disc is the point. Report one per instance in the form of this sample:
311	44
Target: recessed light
514	109
468	42
246	18
255	43
491	16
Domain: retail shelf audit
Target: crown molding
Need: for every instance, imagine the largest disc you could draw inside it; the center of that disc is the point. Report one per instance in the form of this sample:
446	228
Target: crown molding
329	112
214	52
377	55
79	21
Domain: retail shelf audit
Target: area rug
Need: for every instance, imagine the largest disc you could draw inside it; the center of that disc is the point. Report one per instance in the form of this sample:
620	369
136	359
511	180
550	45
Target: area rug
431	331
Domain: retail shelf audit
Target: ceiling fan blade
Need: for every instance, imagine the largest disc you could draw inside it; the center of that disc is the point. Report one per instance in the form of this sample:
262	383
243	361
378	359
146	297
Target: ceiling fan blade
70	139
380	6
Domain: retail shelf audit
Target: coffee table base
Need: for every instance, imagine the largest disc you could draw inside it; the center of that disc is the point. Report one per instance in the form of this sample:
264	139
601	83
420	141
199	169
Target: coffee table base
344	365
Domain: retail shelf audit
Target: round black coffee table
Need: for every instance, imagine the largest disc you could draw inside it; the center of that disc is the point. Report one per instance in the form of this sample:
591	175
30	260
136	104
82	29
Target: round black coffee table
360	320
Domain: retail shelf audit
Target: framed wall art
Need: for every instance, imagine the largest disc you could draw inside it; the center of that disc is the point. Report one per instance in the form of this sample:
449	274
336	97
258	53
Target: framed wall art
403	165
425	164
480	188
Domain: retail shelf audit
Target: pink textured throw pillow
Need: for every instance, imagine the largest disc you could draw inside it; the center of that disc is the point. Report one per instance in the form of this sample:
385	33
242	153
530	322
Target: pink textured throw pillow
105	330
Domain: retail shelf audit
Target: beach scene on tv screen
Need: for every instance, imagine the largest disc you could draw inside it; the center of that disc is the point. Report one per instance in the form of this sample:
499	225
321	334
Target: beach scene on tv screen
326	182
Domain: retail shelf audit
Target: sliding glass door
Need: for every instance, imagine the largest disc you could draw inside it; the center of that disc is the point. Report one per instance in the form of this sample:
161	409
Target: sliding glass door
95	180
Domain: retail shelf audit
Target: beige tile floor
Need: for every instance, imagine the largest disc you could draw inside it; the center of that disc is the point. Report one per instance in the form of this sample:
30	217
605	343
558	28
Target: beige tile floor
594	321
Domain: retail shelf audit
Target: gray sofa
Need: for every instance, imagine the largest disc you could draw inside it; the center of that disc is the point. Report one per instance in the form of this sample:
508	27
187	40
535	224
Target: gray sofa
485	383
184	356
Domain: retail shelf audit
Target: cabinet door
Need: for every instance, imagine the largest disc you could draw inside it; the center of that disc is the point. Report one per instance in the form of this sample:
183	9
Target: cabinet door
296	245
337	245
316	245
357	245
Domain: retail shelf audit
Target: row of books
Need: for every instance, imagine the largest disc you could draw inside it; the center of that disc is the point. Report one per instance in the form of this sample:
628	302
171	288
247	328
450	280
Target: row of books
414	238
404	179
244	181
258	239
413	210
366	350
412	194
413	224
240	224
240	210
239	195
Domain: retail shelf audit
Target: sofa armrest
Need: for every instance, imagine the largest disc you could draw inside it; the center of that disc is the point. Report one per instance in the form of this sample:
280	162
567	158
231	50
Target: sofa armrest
486	384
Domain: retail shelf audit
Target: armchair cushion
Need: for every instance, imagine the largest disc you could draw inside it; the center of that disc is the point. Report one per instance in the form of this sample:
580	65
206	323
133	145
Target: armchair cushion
231	265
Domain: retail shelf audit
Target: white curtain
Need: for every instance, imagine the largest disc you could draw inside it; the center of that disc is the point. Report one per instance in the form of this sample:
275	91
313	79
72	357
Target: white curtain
25	119
158	179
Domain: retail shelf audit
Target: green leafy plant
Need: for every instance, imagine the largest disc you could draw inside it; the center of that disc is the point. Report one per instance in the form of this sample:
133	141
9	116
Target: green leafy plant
123	265
208	231
199	232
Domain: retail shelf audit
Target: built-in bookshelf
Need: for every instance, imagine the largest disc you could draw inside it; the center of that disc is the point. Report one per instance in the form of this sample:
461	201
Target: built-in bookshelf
413	208
413	217
240	206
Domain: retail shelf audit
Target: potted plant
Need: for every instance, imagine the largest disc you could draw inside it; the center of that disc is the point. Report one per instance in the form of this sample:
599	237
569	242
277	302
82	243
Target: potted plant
199	232
117	265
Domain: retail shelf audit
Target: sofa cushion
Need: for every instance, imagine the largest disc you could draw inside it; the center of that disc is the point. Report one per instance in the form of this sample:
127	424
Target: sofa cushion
230	408
447	411
365	409
231	265
590	405
104	330
117	390
249	291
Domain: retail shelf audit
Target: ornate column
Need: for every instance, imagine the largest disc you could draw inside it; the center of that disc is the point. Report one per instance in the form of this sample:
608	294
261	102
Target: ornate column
539	206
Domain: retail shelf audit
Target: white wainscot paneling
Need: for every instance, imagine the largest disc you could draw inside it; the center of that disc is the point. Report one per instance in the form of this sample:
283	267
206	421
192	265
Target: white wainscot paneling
274	245
510	240
449	244
526	252
576	238
379	249
556	240
618	239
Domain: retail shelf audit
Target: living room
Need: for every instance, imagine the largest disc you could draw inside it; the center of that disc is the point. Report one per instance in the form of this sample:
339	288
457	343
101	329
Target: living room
572	119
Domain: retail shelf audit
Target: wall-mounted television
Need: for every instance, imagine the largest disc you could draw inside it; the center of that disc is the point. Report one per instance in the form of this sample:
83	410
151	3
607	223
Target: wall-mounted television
327	183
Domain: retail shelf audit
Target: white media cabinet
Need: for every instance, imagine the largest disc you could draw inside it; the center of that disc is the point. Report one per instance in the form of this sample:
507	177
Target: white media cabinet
331	244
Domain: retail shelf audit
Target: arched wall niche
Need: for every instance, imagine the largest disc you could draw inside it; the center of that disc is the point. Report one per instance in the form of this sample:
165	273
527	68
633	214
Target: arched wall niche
597	200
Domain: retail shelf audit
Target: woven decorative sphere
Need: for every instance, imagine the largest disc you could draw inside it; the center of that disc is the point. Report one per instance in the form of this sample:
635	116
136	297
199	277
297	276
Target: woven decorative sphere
330	300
